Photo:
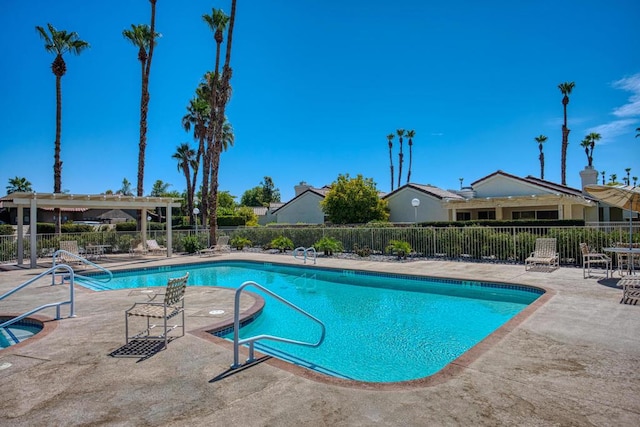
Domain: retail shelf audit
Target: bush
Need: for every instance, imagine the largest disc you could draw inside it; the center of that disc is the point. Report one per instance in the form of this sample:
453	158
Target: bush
126	226
45	228
399	248
328	245
240	242
191	244
6	230
282	243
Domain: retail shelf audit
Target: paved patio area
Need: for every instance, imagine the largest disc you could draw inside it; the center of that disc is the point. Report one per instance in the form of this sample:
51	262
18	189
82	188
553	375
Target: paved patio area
574	360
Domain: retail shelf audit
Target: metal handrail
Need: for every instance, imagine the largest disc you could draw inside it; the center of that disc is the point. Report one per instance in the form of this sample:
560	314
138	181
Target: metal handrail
304	252
81	259
237	342
71	301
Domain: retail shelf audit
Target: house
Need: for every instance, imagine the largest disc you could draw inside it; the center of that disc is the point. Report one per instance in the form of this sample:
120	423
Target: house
304	208
501	195
430	203
265	214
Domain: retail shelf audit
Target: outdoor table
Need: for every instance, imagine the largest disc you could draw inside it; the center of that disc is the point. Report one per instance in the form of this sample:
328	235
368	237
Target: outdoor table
630	252
96	250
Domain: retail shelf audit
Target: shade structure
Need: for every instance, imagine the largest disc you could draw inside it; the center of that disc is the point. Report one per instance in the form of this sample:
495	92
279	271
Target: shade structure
622	196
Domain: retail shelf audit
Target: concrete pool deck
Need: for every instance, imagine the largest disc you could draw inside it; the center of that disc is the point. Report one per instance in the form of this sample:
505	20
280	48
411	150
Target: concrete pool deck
575	360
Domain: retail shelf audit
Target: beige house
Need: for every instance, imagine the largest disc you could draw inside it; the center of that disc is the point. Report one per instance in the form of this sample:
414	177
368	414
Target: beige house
504	196
430	203
304	208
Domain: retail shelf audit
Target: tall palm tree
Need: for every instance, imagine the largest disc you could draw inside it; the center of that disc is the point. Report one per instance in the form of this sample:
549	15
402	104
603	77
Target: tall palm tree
635	180
541	140
59	43
198	117
185	156
221	91
410	134
628	171
565	89
390	138
603	173
18	184
614	178
142	37
400	133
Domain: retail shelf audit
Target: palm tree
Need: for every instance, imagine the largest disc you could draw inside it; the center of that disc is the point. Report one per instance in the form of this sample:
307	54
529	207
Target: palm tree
410	135
566	89
541	140
613	177
628	171
593	137
390	138
637	134
59	43
603	173
142	37
185	156
19	184
586	144
125	190
400	133
635	180
198	115
220	94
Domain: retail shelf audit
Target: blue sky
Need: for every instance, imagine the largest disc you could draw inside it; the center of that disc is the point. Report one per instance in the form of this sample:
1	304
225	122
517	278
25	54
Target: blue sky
318	85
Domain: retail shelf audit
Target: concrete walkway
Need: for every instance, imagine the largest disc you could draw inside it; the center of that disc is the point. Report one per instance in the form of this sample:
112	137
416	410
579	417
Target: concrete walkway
574	360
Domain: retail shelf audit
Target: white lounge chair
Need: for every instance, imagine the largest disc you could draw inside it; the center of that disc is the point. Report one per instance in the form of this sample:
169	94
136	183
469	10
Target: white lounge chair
590	258
545	253
222	245
154	247
72	252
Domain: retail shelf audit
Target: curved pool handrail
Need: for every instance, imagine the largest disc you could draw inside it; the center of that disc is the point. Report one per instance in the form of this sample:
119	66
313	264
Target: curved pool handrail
81	259
305	253
237	342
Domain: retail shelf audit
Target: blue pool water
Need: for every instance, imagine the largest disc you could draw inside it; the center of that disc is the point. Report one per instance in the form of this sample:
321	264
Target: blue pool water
20	330
380	328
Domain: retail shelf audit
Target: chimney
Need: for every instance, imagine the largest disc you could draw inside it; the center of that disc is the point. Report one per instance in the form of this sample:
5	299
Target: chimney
589	176
301	188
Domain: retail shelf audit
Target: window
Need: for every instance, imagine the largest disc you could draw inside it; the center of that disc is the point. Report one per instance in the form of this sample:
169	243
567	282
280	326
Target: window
463	216
547	214
486	214
523	215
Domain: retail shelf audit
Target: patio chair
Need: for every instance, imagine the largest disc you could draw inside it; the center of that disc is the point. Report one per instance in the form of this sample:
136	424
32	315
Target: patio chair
222	245
137	249
630	289
72	252
154	247
545	253
172	306
590	258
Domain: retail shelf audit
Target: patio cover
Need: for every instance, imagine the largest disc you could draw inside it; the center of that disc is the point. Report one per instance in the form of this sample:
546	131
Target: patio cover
36	201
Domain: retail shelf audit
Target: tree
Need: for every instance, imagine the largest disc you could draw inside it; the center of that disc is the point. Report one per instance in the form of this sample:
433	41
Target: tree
589	143
354	201
59	43
261	195
541	140
125	190
198	116
225	201
400	133
628	171
565	89
160	189
220	94
390	138
19	184
637	134
410	135
143	37
603	173
185	156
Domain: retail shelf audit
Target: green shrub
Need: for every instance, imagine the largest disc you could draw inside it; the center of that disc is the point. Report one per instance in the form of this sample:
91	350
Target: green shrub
328	245
45	228
282	243
364	252
6	230
399	248
191	244
126	226
76	228
240	242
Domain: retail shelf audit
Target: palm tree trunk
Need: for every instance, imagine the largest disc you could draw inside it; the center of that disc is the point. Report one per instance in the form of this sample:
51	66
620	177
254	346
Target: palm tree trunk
541	165
57	163
410	161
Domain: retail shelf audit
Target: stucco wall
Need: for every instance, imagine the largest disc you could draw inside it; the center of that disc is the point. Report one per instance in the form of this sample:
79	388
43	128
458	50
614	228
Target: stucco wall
401	210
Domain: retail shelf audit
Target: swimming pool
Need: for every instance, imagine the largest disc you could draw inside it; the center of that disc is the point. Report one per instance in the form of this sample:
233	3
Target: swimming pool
380	327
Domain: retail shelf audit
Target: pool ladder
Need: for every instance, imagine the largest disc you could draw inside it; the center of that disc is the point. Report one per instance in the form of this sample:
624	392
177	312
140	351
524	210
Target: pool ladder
305	252
237	342
78	276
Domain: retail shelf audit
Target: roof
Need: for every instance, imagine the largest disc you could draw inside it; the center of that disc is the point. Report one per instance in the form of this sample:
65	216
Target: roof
103	201
321	192
430	190
557	188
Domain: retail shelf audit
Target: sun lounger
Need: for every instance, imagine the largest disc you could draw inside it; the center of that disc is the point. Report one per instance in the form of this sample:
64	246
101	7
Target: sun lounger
545	253
72	252
154	247
172	306
222	245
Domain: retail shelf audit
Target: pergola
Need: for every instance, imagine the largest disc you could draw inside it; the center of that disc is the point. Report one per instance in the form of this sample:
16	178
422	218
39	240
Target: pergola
34	201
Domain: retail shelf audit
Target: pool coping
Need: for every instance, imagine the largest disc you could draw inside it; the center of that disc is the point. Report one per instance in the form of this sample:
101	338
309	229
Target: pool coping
49	324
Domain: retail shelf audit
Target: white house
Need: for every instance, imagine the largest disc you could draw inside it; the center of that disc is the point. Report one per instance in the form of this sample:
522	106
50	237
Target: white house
304	208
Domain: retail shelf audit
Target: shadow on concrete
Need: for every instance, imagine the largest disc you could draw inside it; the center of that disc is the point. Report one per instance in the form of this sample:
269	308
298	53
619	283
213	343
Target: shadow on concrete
142	348
232	371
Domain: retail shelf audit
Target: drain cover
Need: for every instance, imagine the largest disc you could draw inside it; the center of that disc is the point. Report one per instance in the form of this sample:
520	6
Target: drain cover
216	312
5	365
